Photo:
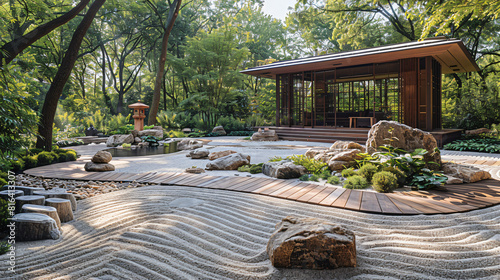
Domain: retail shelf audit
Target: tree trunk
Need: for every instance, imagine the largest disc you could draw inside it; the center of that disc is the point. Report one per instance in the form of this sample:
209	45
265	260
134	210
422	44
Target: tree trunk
172	15
10	50
63	207
50	104
35	226
46	210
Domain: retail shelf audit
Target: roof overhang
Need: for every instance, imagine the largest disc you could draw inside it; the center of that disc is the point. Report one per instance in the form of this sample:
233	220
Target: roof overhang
451	54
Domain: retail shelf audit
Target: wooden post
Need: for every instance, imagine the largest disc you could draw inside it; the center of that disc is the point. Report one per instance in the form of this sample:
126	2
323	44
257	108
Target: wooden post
46	210
63	207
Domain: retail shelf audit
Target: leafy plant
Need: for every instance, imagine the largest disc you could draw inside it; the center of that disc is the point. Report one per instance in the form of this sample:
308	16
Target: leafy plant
256	168
304	177
174	134
325	174
167	120
355	182
428	179
384	181
367	171
312	165
4	247
334	180
196	134
240	133
126	145
275	159
486	145
45	158
153	141
399	175
244	168
314	177
348	172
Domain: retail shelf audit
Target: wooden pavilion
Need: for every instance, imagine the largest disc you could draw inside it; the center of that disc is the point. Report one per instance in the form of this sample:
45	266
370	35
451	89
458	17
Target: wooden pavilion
342	93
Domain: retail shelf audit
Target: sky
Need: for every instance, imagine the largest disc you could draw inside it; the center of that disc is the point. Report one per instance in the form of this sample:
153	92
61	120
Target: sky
278	8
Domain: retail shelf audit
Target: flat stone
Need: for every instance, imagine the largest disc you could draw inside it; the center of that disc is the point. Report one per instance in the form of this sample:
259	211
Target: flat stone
346	145
102	157
189	144
469	174
99	167
312	244
284	169
266	135
151	132
216	155
230	162
194	170
198	154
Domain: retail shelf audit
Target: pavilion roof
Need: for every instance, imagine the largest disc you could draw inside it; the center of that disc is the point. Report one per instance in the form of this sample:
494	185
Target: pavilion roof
451	53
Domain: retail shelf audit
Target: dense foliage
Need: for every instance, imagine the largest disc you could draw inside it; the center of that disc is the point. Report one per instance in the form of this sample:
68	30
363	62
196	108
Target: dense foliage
486	145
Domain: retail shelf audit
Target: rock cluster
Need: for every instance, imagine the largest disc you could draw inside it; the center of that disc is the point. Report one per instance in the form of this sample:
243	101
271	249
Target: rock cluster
403	137
80	189
100	162
342	154
266	135
229	162
119	139
469	174
311	243
219	130
284	169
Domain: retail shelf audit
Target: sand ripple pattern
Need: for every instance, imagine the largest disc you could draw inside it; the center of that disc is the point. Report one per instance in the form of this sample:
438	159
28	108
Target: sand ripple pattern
136	234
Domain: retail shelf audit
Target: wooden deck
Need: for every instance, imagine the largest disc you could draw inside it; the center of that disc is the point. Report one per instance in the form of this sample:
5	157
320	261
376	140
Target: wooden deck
360	135
457	198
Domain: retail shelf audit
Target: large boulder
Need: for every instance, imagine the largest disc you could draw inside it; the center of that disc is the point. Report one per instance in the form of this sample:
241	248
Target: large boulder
230	162
311	243
284	169
338	165
119	139
469	174
189	144
158	133
312	152
219	130
403	137
266	135
216	155
102	157
99	167
198	153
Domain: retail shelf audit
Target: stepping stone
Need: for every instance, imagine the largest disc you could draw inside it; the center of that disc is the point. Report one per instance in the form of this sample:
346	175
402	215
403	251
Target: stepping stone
46	210
63	207
59	194
28	199
35	226
6	194
26	190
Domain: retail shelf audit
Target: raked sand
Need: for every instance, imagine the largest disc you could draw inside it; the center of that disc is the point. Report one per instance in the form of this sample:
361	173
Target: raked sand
170	232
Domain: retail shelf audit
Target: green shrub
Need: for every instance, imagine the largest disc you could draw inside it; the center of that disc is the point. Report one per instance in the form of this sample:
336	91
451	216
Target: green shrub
348	172
367	171
486	145
314	178
149	126
35	151
240	133
71	155
231	124
312	165
399	174
175	134
304	177
325	174
126	145
17	165
4	213
247	138
256	168
244	168
428	179
45	158
356	182
30	161
56	157
384	182
275	159
4	247
334	180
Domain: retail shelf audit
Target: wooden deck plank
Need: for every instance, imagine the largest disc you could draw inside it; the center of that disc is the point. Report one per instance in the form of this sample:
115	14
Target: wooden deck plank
274	188
322	194
251	185
262	187
330	199
312	193
386	204
302	191
423	205
245	183
204	180
354	201
212	183
403	207
228	183
342	200
284	188
292	190
369	203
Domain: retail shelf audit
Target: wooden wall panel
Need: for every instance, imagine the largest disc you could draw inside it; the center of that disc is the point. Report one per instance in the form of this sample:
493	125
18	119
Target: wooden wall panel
409	91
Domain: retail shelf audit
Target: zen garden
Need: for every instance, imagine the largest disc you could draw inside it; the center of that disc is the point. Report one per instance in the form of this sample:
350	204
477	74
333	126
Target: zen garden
249	139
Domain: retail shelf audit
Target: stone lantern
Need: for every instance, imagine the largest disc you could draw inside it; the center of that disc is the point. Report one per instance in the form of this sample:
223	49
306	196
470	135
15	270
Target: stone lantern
138	115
